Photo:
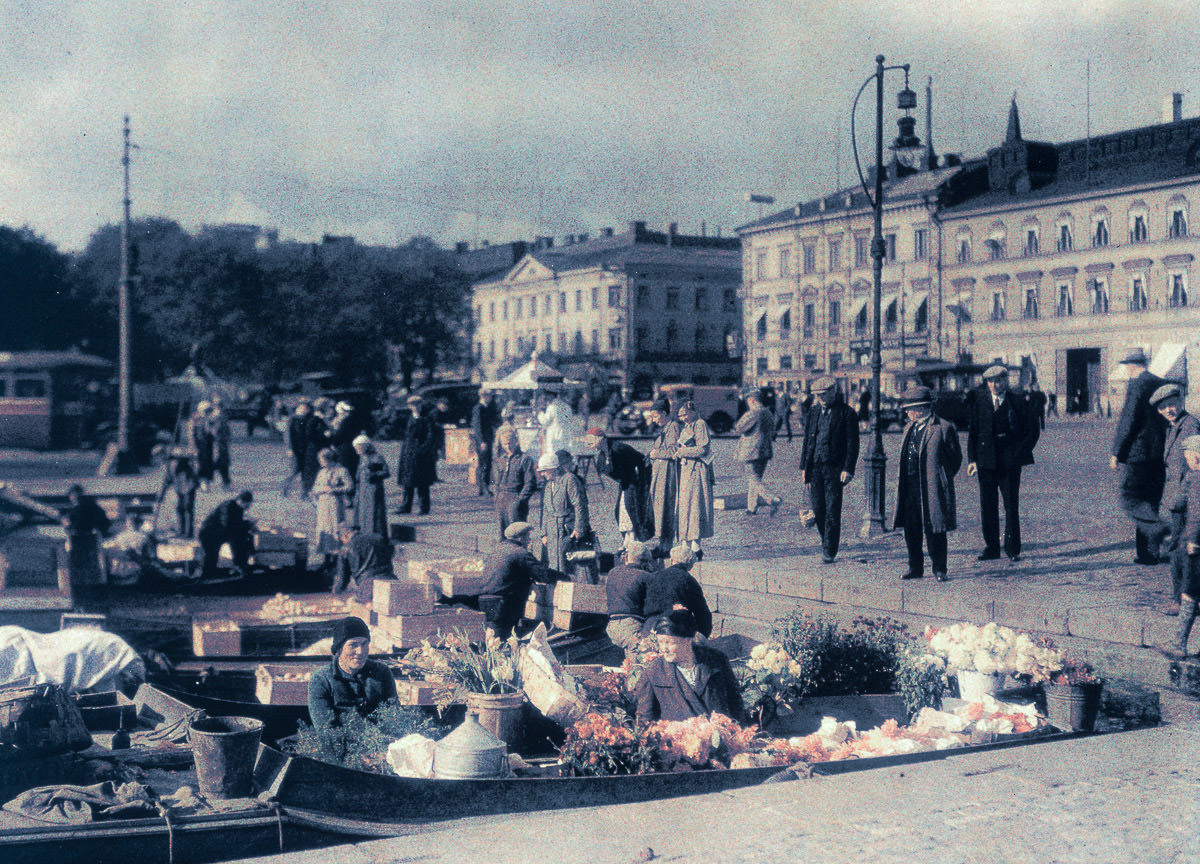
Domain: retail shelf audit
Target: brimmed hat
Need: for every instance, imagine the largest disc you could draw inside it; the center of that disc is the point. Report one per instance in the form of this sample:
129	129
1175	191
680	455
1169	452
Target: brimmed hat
360	441
1164	393
413	400
347	629
517	529
1138	356
916	397
824	384
547	462
678	622
1191	444
564	457
996	371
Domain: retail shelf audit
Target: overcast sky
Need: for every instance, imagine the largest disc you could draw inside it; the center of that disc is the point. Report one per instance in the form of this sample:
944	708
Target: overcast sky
502	120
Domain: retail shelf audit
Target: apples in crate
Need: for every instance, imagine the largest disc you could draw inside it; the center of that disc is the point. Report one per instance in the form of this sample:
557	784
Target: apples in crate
281	685
216	638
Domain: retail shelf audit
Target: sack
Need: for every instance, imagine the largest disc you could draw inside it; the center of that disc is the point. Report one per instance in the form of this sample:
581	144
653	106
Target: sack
39	720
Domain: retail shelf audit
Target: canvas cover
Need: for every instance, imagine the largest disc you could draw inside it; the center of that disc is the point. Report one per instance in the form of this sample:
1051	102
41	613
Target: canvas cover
79	659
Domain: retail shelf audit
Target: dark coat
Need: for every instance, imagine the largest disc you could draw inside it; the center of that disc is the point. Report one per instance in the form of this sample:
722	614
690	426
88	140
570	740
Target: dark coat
370	501
85	517
625	590
629	468
297	436
226	522
417	464
1023	433
485	420
179	475
843	438
664	694
332	694
675	585
941	457
513	477
341	438
510	571
1174	496
1141	429
1191	525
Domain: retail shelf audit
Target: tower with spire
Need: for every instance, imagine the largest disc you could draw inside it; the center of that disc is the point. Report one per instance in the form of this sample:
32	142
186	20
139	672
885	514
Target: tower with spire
1017	165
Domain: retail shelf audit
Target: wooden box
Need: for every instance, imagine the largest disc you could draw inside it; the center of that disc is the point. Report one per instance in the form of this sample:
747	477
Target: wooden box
407	631
580	597
108	710
280	540
418	692
281	685
539	612
179	552
216	638
396	597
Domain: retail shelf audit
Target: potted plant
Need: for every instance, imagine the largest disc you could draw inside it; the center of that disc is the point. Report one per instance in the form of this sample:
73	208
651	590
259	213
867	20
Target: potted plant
486	678
1073	696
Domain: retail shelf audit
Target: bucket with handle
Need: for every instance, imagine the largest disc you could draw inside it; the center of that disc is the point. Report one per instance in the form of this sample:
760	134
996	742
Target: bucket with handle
224	749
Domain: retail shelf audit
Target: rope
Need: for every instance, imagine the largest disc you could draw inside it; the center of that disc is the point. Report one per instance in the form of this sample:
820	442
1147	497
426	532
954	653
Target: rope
278	811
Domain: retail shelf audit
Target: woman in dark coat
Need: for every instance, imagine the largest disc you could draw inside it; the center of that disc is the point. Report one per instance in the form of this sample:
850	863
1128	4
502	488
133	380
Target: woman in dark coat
85	522
629	468
370	503
416	468
687	680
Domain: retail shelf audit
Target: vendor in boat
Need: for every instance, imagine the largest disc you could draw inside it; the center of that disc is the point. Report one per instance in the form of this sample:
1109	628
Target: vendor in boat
508	575
352	682
625	590
687	680
674	587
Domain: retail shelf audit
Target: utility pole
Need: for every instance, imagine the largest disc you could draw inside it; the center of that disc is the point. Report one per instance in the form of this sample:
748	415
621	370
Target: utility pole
125	460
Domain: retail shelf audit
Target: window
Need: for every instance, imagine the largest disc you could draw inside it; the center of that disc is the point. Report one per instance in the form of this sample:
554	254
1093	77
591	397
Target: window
1177	300
1100	235
760	328
596	298
785	324
862	251
643	296
731	304
595	341
614	339
578	342
492	349
505	347
701	299
810	318
614	296
1031	302
835	361
504	312
518	305
1031	242
760	265
1099	296
964	250
492	311
562	301
478	314
520	345
860	321
889	248
785	361
548	342
477	354
785	263
533	306
548	305
835	317
672	297
579	300
920	244
835	253
997	305
1137	294
810	361
562	343
1137	228
1066	302
1065	243
995	248
810	258
1178	224
760	365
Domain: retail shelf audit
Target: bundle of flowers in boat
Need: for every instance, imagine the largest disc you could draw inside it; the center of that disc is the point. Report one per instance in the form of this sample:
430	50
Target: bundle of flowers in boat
487	669
994	652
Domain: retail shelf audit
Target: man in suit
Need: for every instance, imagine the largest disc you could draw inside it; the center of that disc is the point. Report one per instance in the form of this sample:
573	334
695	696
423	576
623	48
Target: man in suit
1138	446
1001	435
1167	400
827	460
484	421
929	458
755	449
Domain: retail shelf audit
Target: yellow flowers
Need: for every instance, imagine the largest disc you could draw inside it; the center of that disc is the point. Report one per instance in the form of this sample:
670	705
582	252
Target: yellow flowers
772	659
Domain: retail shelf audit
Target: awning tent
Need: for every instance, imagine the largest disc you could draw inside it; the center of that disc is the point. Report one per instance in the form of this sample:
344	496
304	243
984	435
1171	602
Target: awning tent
960	307
531	376
857	306
912	308
1170	361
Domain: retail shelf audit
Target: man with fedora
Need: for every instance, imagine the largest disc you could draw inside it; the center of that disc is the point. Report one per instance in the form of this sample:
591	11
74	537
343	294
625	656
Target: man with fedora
416	468
1167	400
1001	436
755	449
1138	446
929	458
827	460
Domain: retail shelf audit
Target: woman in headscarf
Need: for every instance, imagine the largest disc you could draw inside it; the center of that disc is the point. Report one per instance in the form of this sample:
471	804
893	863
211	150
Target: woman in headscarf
695	478
370	503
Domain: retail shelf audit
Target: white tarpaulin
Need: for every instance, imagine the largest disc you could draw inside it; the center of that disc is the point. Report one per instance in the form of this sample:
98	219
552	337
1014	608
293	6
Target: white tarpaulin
1170	361
81	659
528	377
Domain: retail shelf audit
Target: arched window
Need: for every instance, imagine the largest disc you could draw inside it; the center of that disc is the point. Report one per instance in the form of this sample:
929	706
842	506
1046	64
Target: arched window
760	329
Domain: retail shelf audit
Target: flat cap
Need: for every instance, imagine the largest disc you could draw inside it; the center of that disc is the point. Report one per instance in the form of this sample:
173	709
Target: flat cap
517	529
1138	356
996	371
915	397
1164	393
1191	444
824	384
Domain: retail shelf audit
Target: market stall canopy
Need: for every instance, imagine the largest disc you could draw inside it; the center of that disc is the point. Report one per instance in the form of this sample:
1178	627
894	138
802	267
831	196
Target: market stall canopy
1170	361
528	377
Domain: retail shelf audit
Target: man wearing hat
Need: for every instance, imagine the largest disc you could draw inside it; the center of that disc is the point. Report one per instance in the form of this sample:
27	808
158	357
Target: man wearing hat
930	456
564	517
484	421
352	682
628	467
1001	435
827	460
1167	400
416	467
1138	446
227	523
297	441
514	478
508	575
1187	551
686	680
755	449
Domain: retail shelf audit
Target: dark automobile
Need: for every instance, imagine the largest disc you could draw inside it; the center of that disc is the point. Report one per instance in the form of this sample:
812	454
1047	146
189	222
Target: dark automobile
458	398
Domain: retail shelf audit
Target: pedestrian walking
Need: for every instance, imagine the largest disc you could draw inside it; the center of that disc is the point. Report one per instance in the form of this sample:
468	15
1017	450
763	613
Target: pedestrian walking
297	443
1001	435
1037	402
332	489
696	514
201	440
827	461
370	499
179	476
416	467
664	474
564	519
629	468
514	479
1187	551
1138	447
755	450
85	522
784	418
1051	404
484	422
1168	401
930	456
221	435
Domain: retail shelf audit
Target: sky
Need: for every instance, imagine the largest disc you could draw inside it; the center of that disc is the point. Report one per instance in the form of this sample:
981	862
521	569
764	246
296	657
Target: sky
507	120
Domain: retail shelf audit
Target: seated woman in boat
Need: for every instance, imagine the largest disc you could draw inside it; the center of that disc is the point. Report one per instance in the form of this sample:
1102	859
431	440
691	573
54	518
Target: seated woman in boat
688	680
352	682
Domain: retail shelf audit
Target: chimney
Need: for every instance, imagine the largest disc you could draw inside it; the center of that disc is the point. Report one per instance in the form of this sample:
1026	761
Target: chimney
582	238
607	232
461	247
672	230
1172	108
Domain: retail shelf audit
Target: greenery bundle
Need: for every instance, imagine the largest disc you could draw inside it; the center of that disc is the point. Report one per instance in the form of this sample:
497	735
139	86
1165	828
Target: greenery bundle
361	742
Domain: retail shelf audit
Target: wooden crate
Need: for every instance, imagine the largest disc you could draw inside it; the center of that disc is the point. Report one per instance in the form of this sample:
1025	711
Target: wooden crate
281	685
580	597
418	692
280	540
184	552
108	710
395	597
216	638
539	612
407	631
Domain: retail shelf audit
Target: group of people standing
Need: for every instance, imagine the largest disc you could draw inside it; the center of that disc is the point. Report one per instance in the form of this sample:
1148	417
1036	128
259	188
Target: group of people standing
207	435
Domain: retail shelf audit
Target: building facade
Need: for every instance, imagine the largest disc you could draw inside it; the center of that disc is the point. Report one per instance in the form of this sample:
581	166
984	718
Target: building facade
632	309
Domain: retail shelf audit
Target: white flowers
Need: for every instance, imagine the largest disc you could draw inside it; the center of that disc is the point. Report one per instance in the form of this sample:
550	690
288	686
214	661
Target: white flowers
771	659
993	649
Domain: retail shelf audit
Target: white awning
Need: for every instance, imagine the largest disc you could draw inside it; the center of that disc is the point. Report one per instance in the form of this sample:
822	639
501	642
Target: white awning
1170	361
857	306
912	306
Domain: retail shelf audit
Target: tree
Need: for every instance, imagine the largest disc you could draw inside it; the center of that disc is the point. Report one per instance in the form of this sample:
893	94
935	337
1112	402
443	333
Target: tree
35	309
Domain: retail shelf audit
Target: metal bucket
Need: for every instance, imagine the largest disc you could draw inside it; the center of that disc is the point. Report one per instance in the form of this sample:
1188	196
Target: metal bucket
224	749
470	752
500	714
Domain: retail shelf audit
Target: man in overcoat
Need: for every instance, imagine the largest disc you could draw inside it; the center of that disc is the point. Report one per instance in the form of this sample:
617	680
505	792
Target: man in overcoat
1001	435
564	508
628	467
755	449
930	456
416	468
1167	400
827	460
1138	446
513	478
484	421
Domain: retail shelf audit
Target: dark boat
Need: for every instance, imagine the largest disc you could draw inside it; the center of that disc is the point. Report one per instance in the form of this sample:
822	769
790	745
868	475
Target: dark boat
279	721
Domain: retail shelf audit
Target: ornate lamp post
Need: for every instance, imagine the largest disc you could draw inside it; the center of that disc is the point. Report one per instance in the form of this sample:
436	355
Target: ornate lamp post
876	460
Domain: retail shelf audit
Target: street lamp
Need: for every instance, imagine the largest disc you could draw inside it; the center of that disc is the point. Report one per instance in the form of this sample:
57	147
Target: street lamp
876	459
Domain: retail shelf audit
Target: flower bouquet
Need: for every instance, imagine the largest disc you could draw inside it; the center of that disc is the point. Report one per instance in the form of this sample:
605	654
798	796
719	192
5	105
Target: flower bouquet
983	657
1073	695
771	679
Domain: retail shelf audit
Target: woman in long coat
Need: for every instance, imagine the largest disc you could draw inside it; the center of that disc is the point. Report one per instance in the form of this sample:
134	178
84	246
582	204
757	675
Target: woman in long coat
332	488
564	509
370	503
664	474
695	477
416	467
